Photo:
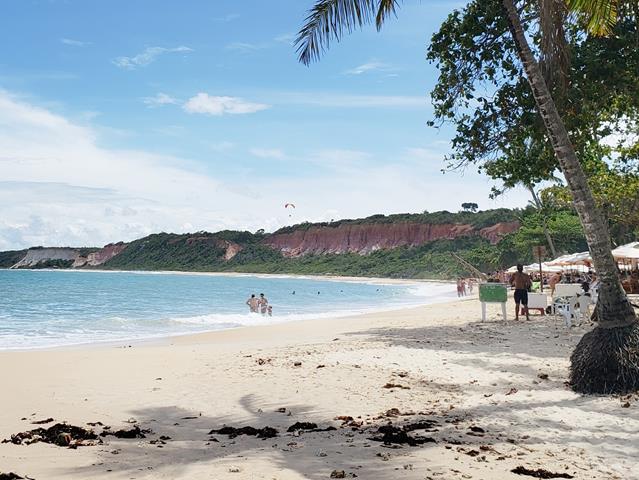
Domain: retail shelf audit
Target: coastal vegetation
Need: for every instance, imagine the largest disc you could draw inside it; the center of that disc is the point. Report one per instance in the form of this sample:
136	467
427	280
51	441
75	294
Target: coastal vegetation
537	45
205	251
11	257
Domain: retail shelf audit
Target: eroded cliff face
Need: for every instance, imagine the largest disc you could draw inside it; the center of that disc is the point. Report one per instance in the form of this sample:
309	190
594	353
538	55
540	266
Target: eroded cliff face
95	259
495	232
366	238
38	256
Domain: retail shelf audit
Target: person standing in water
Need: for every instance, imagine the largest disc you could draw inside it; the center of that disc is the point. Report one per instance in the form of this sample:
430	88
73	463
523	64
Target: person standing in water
252	304
263	304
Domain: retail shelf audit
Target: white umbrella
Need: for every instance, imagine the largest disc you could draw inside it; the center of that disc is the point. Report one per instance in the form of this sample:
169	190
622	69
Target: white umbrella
571	259
629	251
534	268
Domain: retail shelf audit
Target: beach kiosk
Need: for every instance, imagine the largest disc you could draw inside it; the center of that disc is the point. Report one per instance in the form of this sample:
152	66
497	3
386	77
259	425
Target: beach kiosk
493	293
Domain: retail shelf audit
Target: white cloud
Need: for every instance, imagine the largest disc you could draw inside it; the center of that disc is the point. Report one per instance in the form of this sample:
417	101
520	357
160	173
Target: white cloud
340	159
222	146
159	100
246	47
371	66
273	153
288	38
214	105
227	18
74	43
426	154
147	57
340	100
60	186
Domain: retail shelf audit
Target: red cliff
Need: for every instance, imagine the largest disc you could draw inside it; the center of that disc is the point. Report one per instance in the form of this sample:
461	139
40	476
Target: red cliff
95	259
366	238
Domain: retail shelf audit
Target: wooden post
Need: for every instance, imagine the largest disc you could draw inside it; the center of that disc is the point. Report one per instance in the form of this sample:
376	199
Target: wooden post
538	252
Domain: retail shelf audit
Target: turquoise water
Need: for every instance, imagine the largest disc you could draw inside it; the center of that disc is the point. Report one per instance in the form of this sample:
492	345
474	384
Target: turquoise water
52	308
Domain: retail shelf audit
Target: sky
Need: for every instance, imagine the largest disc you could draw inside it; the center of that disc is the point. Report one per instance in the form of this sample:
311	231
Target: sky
119	119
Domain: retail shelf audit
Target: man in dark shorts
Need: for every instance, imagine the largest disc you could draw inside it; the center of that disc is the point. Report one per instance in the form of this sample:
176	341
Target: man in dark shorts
522	282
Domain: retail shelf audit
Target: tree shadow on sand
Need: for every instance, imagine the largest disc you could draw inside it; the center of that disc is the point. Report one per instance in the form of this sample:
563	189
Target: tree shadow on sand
312	454
511	352
533	337
505	420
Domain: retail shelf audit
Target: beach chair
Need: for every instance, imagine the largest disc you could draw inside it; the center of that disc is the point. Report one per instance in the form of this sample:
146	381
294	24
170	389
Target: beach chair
584	305
568	289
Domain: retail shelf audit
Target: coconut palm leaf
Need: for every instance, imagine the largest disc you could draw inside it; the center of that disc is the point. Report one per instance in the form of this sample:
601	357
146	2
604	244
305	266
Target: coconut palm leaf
329	19
600	15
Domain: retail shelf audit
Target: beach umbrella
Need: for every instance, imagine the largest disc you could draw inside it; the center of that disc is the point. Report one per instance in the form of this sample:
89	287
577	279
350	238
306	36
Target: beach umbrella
571	259
534	268
560	261
629	251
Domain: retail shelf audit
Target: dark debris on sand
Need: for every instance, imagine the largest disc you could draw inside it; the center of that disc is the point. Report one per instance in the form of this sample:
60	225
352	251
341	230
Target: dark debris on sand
42	422
399	436
342	474
308	427
232	432
13	476
61	434
428	425
135	432
302	426
539	473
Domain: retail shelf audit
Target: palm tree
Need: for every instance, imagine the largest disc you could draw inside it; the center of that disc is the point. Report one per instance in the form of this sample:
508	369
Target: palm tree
606	360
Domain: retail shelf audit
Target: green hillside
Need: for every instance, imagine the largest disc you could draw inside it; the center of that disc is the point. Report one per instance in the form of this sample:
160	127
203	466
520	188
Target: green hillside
11	257
205	251
477	220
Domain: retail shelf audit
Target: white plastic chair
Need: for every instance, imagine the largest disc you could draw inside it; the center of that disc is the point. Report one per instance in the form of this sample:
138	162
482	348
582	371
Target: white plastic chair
584	305
567	307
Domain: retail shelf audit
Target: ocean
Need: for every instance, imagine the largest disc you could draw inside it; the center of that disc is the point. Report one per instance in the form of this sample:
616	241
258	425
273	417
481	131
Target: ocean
48	308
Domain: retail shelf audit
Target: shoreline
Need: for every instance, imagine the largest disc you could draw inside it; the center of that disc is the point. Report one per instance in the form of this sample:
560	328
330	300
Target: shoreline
337	278
163	337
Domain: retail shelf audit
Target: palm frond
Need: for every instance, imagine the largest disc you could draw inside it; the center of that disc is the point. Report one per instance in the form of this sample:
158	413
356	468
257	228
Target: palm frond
329	19
600	15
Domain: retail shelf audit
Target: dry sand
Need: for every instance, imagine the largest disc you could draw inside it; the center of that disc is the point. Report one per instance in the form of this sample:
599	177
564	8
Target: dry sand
456	371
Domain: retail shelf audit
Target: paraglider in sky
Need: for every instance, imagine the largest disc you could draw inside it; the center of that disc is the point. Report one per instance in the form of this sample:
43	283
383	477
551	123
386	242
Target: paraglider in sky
288	206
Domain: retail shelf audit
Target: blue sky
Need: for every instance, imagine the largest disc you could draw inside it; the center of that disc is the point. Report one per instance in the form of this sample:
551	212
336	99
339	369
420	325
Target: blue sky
123	118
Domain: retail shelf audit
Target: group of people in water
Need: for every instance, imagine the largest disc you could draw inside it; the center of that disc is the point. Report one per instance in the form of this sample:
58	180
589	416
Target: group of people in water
465	286
259	305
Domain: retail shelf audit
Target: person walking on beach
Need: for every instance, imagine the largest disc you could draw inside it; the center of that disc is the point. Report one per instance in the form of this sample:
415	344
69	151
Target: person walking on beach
522	282
263	304
252	304
554	280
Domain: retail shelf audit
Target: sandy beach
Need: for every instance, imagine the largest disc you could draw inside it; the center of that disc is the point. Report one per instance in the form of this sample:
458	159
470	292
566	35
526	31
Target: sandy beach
478	399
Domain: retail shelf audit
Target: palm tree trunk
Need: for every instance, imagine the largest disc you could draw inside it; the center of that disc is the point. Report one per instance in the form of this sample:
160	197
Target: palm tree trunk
607	359
544	223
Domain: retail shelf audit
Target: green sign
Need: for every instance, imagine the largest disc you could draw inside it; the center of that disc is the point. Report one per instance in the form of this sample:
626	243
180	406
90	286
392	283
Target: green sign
493	293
